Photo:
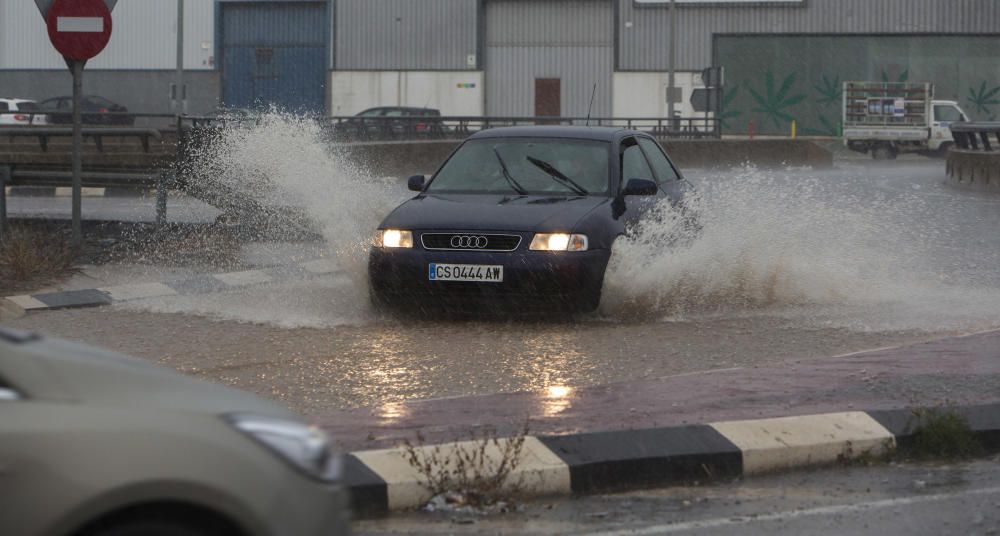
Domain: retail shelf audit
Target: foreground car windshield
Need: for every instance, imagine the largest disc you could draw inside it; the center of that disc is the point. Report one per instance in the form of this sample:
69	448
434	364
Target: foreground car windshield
478	167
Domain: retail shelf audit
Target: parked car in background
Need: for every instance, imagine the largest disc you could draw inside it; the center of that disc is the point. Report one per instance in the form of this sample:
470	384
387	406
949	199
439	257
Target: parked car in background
95	111
99	444
388	122
9	115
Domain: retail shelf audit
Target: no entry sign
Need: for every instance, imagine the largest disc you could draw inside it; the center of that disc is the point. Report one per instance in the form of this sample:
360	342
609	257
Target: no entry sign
79	29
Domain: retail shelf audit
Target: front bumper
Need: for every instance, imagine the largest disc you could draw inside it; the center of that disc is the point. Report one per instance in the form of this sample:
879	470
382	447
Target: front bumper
532	279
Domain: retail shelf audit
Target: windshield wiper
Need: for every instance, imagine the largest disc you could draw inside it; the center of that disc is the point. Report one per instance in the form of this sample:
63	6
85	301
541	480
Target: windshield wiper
506	174
558	176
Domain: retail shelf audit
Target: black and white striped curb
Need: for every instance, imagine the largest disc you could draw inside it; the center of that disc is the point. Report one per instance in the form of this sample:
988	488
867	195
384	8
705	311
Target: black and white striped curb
202	284
383	480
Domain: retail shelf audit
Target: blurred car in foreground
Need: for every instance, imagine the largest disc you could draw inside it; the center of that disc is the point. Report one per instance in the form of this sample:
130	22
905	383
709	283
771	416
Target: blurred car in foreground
9	115
95	111
98	444
520	218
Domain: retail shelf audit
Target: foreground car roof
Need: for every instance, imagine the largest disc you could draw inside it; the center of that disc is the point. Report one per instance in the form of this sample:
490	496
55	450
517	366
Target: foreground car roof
572	132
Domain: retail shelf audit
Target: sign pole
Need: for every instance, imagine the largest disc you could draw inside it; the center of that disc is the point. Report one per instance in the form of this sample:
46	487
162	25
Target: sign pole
77	67
670	68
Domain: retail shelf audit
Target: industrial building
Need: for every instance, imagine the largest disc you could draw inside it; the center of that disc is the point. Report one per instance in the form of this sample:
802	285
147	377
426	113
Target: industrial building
783	59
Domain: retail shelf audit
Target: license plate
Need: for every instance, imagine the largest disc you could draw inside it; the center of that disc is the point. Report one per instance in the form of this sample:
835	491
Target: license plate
481	273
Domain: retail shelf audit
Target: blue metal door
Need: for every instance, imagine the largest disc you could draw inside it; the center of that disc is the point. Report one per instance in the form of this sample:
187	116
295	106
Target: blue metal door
274	54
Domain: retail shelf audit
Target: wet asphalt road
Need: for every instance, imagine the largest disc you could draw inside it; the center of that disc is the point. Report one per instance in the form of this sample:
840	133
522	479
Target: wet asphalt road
897	499
886	255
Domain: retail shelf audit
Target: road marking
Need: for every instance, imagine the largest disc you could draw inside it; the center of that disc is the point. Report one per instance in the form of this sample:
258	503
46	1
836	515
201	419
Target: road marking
80	24
793	514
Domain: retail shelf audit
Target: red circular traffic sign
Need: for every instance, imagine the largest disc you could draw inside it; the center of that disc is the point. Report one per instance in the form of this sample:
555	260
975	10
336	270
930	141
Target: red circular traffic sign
79	29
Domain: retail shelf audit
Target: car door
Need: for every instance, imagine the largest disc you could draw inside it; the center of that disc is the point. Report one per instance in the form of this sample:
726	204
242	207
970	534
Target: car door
634	165
667	177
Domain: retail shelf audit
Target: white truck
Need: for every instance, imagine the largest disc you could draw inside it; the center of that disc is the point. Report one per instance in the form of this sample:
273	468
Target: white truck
886	119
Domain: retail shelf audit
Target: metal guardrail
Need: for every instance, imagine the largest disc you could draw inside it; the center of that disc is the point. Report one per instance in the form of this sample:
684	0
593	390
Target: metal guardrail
162	180
44	133
357	128
404	128
360	128
975	136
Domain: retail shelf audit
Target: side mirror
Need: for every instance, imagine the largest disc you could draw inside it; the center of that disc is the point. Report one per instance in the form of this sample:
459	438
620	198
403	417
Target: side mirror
644	187
416	183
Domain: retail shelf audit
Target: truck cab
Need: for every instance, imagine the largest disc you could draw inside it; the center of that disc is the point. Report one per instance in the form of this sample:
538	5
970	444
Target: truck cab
945	113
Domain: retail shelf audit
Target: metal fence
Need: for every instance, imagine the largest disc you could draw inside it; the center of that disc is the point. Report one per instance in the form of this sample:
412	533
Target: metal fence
360	128
975	136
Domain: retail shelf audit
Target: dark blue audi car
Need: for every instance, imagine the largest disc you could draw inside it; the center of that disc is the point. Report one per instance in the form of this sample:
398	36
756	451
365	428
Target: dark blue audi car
519	219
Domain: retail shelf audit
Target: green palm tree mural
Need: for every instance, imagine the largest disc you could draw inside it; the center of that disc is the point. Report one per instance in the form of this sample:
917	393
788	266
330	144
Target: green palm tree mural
829	128
984	100
830	91
726	114
774	103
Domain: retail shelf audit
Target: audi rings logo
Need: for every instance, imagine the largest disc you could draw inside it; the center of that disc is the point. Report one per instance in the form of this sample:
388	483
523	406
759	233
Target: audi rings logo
469	242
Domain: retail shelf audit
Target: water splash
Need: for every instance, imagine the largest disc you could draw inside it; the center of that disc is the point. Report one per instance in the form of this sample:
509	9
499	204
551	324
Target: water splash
819	248
277	176
795	246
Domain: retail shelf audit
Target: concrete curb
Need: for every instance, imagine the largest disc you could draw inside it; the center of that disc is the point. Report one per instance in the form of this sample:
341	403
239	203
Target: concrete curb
381	481
94	297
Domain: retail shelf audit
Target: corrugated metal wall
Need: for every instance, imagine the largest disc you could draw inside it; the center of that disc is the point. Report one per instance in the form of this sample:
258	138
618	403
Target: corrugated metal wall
143	36
643	35
274	54
405	34
572	40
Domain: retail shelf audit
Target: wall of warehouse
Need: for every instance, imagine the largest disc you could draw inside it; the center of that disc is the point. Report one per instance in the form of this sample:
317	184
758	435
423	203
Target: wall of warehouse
406	35
571	40
452	92
772	80
644	94
137	67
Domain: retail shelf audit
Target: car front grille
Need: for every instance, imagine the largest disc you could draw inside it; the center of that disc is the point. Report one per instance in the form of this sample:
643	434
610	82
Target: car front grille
470	241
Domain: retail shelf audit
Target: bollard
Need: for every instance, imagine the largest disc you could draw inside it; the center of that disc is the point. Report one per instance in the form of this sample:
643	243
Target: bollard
795	128
750	129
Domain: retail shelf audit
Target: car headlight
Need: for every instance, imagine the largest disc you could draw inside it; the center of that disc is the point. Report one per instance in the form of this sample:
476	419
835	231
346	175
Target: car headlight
305	447
393	238
559	242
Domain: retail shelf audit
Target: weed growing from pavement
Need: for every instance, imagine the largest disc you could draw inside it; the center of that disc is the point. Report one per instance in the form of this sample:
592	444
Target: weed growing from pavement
32	256
940	434
478	473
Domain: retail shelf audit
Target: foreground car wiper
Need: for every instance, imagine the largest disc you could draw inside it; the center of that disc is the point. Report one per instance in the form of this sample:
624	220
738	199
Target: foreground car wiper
558	176
506	174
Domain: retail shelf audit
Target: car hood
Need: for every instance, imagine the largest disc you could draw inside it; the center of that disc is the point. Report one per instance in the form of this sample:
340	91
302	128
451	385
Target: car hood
51	369
480	212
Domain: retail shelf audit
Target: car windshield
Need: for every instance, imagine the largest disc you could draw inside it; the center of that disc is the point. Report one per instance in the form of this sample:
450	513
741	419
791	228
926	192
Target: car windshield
27	106
478	167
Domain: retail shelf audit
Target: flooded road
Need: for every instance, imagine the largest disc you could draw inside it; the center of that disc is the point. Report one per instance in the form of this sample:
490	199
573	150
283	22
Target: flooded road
315	370
789	264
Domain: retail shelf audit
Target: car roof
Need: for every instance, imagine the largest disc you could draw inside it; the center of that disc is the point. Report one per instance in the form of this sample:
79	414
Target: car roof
569	132
15	101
